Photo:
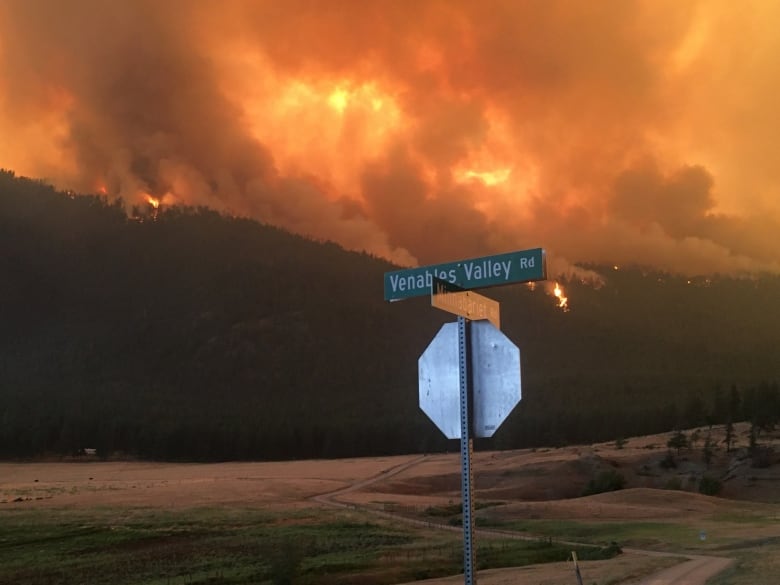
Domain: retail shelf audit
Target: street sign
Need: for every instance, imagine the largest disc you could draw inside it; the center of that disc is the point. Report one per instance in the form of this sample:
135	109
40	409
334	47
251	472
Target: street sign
465	303
496	379
469	375
487	271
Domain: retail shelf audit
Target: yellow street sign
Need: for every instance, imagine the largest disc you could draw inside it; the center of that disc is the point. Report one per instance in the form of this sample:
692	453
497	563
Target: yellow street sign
465	303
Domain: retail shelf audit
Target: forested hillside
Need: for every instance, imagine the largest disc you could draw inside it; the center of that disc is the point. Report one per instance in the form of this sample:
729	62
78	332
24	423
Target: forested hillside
180	333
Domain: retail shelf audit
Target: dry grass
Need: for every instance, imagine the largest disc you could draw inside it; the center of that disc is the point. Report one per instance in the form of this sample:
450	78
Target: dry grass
536	489
180	485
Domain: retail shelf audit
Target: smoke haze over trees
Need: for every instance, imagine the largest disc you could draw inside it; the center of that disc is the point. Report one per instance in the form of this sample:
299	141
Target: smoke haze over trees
180	333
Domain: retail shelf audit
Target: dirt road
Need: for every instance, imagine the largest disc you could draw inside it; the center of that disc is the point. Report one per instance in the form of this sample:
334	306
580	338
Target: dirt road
694	570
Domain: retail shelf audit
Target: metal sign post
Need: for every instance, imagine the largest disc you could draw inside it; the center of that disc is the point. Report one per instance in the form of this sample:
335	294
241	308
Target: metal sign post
466	447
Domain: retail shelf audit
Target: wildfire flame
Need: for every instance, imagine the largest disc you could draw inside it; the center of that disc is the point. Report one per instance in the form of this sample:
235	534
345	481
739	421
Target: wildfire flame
154	205
563	301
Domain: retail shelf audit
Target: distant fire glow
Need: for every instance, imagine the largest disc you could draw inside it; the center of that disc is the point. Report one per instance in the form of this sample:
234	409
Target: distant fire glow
487	177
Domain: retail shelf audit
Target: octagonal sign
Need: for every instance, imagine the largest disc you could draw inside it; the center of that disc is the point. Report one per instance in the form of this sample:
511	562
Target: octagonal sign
495	365
439	381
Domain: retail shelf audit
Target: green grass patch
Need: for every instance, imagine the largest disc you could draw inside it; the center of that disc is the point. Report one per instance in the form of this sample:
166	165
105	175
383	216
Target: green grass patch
756	517
208	546
517	553
230	546
649	534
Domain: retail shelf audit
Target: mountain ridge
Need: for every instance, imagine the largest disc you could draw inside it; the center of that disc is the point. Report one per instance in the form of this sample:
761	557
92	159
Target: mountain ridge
186	334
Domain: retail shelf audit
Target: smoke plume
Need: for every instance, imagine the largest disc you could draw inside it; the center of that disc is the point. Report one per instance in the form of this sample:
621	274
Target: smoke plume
636	132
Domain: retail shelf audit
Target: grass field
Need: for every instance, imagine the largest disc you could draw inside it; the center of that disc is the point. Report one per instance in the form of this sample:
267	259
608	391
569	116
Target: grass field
378	521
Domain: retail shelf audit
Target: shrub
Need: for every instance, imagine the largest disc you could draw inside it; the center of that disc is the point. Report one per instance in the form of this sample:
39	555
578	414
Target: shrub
761	457
605	481
444	511
668	462
674	483
710	486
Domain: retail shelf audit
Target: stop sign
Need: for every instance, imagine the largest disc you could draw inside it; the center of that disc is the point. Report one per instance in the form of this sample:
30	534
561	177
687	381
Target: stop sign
495	366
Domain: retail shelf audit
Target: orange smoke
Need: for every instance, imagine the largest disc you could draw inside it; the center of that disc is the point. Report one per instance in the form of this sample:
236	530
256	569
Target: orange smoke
621	132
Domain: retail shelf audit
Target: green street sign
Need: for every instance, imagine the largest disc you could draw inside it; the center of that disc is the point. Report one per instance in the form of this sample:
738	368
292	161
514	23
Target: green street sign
509	268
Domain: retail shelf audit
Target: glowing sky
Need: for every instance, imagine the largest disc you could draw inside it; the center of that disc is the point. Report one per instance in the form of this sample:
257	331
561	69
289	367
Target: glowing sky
423	131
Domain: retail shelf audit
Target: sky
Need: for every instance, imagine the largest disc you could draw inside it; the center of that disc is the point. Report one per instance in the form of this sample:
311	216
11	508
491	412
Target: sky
616	132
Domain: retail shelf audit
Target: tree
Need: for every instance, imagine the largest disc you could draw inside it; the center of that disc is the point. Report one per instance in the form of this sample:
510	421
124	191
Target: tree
677	441
765	411
719	408
729	435
694	410
708	451
761	407
753	444
734	405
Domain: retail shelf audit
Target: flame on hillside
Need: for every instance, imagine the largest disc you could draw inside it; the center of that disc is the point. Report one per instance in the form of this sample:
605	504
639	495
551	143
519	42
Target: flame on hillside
563	301
153	209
